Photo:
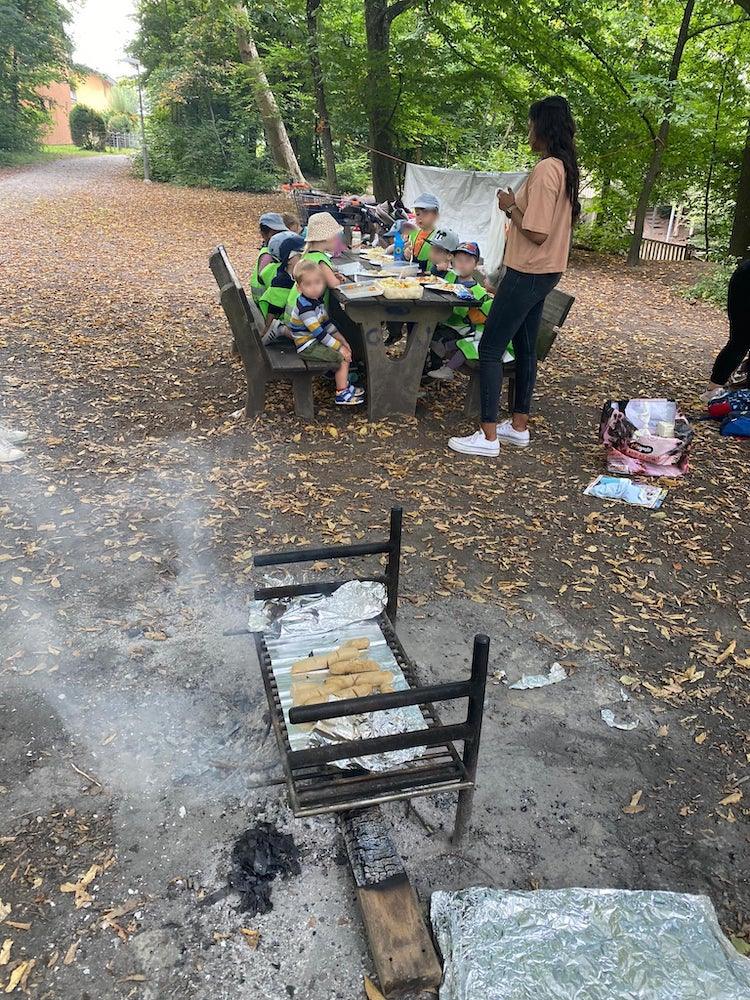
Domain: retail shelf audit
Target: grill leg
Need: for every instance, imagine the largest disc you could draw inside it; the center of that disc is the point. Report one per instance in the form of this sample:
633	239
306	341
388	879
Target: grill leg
471	744
394	562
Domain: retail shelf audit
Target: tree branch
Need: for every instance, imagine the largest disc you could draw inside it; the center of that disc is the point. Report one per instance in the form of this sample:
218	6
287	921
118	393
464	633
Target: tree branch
718	24
582	40
398	7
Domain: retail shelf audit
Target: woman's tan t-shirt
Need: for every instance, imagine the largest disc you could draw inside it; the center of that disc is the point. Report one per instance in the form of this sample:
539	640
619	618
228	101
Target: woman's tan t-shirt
546	209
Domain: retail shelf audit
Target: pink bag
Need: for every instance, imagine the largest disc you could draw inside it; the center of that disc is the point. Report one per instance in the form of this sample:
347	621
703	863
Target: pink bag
648	437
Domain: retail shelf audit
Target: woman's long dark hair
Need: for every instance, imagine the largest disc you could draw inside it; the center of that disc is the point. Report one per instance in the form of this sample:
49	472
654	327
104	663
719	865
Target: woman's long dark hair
555	129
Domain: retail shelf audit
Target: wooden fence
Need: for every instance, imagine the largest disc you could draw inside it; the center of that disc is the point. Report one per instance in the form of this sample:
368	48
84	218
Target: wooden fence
661	250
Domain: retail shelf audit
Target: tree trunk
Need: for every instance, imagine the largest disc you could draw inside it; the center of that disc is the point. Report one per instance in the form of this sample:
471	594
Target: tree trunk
323	126
380	99
601	215
739	241
273	124
660	142
714	143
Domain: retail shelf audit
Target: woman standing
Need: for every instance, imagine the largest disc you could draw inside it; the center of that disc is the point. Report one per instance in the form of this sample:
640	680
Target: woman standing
541	219
738	308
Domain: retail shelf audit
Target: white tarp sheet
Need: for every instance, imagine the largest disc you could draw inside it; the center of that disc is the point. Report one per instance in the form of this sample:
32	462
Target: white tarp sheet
468	204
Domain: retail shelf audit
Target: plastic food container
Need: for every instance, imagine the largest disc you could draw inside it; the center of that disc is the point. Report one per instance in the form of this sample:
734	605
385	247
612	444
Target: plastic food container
394	288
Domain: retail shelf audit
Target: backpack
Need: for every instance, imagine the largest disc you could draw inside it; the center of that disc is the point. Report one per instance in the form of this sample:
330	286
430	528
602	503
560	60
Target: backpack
736	425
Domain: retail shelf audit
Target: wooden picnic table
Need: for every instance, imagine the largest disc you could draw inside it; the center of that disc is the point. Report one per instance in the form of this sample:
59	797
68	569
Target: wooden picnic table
392	382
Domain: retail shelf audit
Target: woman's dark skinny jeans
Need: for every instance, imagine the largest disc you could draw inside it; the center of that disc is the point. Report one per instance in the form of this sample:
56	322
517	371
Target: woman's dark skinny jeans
516	315
738	306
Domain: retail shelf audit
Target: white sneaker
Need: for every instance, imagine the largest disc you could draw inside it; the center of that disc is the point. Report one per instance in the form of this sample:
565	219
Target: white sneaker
508	433
445	373
710	394
8	453
13	437
475	444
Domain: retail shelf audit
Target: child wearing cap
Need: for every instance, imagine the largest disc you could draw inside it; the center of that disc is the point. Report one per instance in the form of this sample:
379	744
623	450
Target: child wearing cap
426	212
442	244
463	329
403	227
273	302
314	334
270	223
268	273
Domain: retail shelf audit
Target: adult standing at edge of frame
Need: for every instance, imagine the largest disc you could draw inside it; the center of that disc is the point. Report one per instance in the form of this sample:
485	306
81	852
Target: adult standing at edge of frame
730	357
541	216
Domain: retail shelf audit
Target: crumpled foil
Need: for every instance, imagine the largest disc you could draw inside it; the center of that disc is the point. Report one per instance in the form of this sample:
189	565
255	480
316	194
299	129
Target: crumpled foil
355	601
528	681
363	727
584	944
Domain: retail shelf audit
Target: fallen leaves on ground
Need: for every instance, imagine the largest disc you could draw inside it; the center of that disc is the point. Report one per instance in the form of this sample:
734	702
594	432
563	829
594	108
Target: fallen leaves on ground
634	806
139	481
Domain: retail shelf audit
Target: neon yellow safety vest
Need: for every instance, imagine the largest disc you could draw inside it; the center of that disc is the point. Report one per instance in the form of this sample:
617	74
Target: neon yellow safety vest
277	296
420	237
268	273
256	287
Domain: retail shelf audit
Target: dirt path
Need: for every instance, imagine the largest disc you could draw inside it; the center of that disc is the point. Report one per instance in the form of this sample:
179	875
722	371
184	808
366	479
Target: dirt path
133	731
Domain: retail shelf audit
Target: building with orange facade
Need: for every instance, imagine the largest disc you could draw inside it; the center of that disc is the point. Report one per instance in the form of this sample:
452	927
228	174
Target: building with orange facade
89	88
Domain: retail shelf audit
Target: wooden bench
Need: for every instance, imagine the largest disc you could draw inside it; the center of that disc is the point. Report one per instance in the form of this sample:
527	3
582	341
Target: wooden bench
557	305
262	364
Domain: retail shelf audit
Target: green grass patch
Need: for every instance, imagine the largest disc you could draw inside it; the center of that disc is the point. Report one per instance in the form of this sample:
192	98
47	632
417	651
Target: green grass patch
23	158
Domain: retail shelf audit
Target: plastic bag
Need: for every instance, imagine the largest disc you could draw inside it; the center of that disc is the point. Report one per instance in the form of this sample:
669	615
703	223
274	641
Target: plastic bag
633	433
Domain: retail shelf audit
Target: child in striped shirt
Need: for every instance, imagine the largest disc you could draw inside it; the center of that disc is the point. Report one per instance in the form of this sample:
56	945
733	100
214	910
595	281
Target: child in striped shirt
315	336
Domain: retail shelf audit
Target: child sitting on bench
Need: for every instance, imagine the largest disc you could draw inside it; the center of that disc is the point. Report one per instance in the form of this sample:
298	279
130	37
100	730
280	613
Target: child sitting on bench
462	331
270	223
315	336
443	244
274	301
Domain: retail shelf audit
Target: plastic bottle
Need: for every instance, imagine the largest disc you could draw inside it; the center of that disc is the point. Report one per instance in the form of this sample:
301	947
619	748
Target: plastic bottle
398	247
356	237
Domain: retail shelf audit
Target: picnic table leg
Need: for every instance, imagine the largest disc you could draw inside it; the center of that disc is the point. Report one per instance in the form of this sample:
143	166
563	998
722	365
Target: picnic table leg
255	402
393	383
302	388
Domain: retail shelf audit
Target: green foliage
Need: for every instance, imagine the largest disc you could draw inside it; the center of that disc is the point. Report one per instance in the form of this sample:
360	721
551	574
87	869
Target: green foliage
123	99
714	284
34	51
121	123
203	128
354	173
458	82
87	128
606	238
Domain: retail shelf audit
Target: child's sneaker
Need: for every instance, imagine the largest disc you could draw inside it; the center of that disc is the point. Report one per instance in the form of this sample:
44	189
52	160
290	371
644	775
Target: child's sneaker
350	396
711	394
444	373
507	432
8	452
12	436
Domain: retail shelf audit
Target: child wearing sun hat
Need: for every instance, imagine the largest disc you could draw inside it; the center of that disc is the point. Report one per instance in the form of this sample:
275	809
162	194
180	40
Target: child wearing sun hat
322	232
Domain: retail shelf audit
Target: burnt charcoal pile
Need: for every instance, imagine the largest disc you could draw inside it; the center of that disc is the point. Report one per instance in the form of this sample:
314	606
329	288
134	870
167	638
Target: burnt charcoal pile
259	855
